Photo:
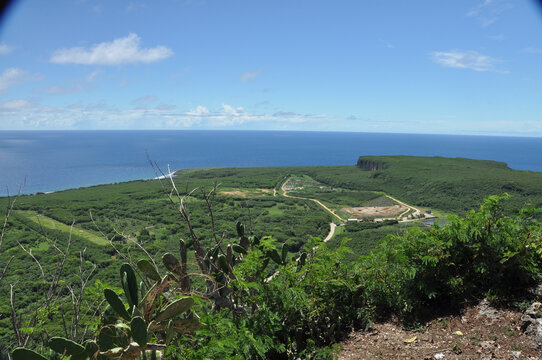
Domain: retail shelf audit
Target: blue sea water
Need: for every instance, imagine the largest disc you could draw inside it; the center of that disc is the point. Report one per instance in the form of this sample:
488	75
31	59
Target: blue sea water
56	160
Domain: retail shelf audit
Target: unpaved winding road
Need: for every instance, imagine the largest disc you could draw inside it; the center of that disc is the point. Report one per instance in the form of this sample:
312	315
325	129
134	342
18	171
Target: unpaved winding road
332	225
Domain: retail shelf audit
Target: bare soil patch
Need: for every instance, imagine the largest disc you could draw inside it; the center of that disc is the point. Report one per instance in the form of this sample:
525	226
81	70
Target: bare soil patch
247	192
374	211
481	332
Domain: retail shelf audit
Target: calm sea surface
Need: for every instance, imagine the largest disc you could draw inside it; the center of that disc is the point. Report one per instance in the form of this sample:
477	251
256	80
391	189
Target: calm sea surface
56	160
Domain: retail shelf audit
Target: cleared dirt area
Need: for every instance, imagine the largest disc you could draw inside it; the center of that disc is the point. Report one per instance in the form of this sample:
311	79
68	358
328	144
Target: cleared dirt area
374	211
480	332
245	193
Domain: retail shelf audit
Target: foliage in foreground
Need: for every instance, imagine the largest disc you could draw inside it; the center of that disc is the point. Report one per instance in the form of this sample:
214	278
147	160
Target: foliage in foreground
307	305
485	253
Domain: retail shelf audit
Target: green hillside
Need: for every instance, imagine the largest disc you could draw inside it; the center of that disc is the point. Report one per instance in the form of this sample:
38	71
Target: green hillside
116	223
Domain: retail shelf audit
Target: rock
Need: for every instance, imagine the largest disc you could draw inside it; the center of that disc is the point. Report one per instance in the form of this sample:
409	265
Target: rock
531	322
486	345
515	354
537	291
486	310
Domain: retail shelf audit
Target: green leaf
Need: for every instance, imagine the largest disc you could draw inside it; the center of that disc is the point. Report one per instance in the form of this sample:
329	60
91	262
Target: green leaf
139	331
62	345
177	307
106	338
148	269
240	229
184	326
239	249
26	354
117	305
284	253
274	255
223	264
129	284
91	348
171	263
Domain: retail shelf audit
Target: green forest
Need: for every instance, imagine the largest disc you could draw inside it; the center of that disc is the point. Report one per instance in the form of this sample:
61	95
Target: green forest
227	263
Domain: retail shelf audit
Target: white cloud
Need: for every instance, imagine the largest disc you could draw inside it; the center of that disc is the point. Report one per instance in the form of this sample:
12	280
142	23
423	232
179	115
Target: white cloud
4	49
25	114
475	11
499	37
533	50
10	77
135	6
144	100
61	90
17	104
200	111
93	75
119	51
488	11
465	60
251	75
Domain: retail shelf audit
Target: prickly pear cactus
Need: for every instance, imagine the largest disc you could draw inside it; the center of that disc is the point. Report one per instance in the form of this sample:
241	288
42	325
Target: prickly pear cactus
126	330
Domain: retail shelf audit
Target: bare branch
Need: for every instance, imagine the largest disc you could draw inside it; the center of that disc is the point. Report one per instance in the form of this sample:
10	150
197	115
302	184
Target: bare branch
11	204
6	268
29	252
107	238
14	317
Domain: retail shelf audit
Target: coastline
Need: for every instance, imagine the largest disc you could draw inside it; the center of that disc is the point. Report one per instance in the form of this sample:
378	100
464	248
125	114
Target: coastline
56	160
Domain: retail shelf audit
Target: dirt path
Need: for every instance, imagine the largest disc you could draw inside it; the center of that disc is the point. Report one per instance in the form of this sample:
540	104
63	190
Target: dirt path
416	211
332	225
285	193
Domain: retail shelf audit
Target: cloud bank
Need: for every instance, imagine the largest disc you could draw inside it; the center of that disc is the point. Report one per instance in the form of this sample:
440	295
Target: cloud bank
251	75
465	60
124	50
10	77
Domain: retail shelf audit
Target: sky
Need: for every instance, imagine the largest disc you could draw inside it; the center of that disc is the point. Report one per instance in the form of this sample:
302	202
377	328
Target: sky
471	67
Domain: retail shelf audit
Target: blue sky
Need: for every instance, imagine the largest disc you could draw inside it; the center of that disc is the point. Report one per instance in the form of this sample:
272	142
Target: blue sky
449	67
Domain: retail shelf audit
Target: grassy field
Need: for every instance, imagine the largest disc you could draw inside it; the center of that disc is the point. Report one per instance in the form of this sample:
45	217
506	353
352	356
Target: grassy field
51	224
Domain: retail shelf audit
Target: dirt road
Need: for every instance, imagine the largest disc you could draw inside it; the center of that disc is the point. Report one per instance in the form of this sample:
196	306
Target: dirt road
332	225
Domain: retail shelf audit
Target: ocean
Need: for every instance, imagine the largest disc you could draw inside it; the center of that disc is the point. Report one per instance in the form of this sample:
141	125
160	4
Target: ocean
55	160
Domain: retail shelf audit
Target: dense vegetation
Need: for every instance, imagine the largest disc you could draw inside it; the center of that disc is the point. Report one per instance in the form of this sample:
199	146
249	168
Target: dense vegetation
306	305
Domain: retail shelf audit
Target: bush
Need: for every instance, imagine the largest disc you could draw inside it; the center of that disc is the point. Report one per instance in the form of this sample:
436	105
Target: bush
459	261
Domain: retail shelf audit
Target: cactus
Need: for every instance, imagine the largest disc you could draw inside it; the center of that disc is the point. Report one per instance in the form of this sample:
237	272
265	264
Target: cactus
240	249
159	315
67	347
284	253
222	263
91	348
183	326
116	338
274	255
116	304
26	354
171	263
148	269
301	260
185	279
177	307
129	284
240	229
139	330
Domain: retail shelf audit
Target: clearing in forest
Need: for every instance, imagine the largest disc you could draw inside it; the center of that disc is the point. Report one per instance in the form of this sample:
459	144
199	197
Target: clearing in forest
247	193
347	203
51	224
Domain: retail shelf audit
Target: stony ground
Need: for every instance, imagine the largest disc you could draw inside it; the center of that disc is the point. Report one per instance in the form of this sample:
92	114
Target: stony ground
480	332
